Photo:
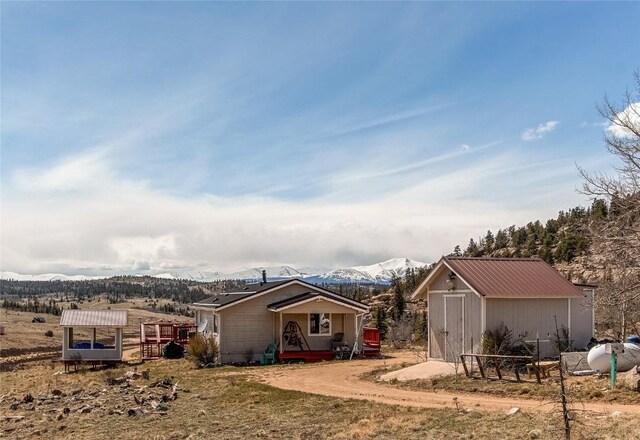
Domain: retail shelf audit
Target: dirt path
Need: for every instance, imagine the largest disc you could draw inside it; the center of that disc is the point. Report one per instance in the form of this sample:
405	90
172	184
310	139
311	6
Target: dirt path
343	380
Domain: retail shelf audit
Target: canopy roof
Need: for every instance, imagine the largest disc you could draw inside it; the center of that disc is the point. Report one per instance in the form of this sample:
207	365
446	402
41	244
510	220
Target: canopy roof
93	318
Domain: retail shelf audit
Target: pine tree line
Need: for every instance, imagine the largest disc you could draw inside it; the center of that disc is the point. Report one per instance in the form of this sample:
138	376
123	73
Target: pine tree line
559	240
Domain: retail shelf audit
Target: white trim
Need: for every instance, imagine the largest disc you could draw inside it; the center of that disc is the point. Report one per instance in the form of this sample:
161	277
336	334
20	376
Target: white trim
483	316
435	272
316	298
569	316
319	334
449	291
427	280
288	283
454	295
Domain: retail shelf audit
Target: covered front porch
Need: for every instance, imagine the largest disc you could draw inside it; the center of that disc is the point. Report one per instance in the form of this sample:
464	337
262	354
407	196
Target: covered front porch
315	327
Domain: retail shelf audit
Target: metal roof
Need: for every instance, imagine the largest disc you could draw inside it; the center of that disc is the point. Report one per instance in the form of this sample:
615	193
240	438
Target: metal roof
222	299
93	318
309	295
512	277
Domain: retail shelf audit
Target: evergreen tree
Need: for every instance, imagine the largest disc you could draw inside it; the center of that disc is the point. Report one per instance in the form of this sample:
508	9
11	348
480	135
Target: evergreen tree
380	321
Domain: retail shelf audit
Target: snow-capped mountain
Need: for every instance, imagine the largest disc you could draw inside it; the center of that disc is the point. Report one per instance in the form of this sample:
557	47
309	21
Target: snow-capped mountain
46	277
379	273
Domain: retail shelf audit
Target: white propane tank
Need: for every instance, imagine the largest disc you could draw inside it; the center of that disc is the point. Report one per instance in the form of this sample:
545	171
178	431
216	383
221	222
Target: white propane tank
600	360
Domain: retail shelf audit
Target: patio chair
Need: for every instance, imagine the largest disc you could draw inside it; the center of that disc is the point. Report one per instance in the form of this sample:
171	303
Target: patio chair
337	341
269	355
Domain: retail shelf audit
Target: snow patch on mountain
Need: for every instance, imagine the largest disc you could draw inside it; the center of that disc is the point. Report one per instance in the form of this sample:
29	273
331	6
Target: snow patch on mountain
379	273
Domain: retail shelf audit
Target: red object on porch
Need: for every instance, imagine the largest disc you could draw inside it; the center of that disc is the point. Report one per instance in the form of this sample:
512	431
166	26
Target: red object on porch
153	335
371	341
307	355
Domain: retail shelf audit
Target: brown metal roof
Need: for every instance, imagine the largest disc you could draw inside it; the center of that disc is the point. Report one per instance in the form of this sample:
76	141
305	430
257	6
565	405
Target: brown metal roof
93	318
512	277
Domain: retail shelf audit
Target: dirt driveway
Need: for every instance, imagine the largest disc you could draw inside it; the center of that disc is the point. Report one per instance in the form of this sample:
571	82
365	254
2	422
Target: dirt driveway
342	379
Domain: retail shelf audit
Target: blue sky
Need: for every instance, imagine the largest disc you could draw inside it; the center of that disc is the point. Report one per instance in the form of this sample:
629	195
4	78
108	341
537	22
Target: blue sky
161	136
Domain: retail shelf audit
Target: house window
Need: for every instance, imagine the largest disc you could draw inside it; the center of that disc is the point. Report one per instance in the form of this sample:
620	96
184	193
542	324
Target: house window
319	324
213	324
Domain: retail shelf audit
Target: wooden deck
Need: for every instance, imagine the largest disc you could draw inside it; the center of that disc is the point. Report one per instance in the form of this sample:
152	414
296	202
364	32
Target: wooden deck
307	356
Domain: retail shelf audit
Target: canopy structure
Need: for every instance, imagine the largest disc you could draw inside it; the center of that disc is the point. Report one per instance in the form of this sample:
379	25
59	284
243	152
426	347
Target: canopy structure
93	318
104	350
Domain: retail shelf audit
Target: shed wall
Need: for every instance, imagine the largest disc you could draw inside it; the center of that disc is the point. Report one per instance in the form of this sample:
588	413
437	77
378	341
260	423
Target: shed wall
528	318
582	319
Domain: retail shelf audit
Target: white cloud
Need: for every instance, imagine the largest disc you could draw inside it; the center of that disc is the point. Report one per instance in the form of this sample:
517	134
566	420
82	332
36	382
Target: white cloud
531	134
629	116
112	225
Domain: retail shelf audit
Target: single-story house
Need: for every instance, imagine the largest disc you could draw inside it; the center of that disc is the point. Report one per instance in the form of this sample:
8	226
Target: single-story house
107	349
466	296
297	316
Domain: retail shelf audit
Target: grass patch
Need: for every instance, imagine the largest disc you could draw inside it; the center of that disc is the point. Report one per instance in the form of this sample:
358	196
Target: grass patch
586	389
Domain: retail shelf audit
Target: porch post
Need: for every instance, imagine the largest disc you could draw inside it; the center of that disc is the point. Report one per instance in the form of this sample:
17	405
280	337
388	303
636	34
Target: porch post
355	322
93	338
281	348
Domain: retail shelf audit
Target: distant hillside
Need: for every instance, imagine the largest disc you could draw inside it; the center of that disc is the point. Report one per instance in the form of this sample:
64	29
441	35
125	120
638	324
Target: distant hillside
565	242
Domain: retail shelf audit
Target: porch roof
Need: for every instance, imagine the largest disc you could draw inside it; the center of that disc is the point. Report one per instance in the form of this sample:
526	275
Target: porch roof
310	296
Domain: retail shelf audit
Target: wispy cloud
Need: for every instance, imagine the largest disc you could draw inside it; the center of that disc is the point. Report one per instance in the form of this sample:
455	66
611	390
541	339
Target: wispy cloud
531	134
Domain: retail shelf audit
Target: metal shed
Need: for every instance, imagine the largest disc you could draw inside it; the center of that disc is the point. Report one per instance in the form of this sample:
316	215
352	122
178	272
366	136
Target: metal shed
467	295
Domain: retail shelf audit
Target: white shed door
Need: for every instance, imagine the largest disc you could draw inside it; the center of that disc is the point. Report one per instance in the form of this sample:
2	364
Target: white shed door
453	327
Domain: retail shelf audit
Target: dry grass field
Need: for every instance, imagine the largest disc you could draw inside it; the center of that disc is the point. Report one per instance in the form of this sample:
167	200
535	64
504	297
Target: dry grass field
25	341
227	403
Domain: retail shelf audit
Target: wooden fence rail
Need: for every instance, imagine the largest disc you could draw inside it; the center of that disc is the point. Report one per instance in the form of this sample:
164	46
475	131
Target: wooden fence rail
497	362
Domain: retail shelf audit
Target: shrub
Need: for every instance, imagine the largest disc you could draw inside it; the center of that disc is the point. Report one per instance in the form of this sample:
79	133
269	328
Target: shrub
48	333
497	340
171	350
561	341
203	350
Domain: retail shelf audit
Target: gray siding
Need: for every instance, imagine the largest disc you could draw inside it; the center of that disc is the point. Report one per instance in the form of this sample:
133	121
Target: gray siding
440	281
248	328
527	318
436	325
582	319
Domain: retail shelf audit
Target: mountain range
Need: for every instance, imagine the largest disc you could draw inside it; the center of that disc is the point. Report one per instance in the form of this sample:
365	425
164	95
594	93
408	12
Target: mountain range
378	273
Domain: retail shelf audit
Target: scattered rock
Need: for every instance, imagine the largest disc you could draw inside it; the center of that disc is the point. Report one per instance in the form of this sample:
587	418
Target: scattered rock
27	398
535	434
616	414
514	410
77	391
133	412
85	410
57	393
202	412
